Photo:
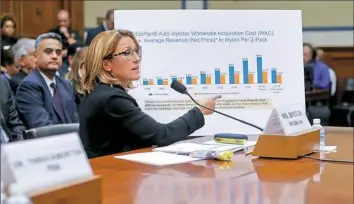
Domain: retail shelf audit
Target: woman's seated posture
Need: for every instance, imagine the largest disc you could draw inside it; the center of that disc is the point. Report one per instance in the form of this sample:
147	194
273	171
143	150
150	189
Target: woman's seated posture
110	119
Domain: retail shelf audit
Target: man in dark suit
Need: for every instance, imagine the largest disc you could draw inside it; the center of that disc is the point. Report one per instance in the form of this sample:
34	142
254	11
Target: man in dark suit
24	58
108	24
11	127
43	98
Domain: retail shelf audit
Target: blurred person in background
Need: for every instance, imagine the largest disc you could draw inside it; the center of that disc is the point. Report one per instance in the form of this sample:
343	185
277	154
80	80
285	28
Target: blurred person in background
9	66
77	73
69	38
111	120
11	127
108	24
8	27
24	56
321	78
332	74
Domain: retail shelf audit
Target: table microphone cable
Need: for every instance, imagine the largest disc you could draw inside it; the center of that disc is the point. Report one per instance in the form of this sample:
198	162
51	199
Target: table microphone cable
330	160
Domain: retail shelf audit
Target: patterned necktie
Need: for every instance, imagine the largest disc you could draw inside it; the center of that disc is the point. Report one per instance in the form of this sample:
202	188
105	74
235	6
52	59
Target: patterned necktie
57	100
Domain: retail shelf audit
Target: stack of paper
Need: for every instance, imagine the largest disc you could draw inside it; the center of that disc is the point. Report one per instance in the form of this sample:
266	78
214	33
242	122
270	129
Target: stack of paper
178	153
157	158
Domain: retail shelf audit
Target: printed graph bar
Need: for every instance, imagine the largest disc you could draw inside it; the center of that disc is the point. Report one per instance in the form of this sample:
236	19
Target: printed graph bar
194	80
217	76
208	79
165	81
180	79
251	78
203	78
237	77
223	78
174	78
259	69
279	78
189	79
145	82
265	76
231	74
151	82
245	70
159	81
274	75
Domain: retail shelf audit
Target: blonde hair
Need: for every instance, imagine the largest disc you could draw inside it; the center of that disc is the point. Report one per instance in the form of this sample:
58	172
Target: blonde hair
74	75
103	45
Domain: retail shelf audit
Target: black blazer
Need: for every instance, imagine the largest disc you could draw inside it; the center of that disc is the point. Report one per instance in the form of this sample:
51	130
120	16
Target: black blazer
111	122
92	32
9	119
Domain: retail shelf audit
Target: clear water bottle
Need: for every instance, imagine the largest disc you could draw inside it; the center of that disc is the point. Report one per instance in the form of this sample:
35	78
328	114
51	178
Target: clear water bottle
317	125
17	195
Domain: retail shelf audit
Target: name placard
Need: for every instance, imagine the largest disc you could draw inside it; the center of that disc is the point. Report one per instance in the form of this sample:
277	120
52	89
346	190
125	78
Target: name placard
40	163
287	120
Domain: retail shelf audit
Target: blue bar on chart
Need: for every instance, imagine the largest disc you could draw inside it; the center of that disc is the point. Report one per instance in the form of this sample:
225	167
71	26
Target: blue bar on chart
274	75
245	70
189	79
202	78
174	78
159	81
231	74
217	76
145	82
259	69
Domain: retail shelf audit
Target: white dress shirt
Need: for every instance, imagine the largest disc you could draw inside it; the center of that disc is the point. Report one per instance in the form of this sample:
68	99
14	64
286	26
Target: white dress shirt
49	82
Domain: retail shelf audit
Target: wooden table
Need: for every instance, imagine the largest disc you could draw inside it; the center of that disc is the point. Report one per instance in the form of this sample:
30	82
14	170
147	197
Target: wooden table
245	180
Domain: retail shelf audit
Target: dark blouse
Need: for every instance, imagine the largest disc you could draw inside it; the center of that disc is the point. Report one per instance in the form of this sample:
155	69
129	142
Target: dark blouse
111	122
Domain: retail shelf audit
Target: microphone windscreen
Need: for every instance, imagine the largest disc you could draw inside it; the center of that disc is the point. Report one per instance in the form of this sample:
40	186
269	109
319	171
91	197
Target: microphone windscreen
177	86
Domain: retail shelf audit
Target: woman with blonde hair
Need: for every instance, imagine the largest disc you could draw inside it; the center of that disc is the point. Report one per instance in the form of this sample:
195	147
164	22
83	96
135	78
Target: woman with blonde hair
77	73
110	119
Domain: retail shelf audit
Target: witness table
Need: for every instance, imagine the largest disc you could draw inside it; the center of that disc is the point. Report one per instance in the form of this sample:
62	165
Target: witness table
245	180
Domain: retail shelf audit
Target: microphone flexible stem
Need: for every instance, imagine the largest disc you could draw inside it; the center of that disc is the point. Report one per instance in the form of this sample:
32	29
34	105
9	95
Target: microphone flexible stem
247	123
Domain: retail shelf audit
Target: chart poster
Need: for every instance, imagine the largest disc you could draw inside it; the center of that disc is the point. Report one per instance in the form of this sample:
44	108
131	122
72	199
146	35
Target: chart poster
253	58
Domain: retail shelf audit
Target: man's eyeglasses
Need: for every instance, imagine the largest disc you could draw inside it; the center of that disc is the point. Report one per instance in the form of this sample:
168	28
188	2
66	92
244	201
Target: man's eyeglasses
128	54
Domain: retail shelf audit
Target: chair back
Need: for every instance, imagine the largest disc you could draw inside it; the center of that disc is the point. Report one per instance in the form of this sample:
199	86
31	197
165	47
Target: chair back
50	130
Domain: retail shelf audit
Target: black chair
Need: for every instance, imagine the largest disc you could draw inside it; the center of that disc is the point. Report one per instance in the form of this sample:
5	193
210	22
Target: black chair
50	130
342	113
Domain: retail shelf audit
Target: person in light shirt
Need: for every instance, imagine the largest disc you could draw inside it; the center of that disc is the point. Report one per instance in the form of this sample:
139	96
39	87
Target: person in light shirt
111	120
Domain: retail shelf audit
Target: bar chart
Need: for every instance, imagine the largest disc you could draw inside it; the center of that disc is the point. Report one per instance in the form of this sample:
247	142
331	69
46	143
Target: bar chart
231	74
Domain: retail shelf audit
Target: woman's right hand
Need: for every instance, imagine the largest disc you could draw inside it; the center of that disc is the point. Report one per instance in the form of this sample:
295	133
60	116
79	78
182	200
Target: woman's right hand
209	103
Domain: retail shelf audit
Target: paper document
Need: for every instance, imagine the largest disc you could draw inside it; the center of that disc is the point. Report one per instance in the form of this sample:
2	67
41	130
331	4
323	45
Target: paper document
213	142
157	158
186	148
328	149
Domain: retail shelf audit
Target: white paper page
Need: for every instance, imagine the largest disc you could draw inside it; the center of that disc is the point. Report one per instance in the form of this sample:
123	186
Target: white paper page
213	142
157	158
192	147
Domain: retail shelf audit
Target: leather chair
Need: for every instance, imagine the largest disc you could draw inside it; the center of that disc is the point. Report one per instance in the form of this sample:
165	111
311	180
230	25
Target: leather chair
50	130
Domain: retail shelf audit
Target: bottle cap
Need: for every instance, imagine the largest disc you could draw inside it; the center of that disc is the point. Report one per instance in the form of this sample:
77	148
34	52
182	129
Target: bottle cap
317	121
15	189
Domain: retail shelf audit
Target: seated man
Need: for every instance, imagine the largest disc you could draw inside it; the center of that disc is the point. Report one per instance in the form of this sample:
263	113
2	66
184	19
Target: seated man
11	127
321	78
43	98
108	24
24	58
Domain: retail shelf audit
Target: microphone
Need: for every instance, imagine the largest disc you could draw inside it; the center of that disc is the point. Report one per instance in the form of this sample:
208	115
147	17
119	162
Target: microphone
180	88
